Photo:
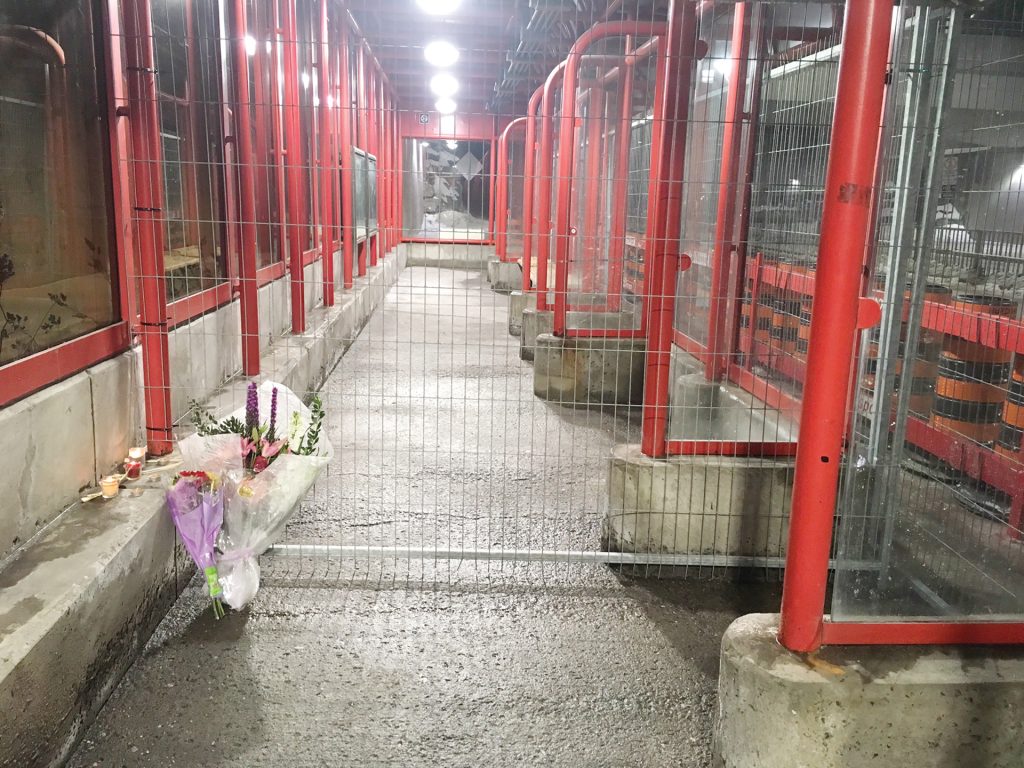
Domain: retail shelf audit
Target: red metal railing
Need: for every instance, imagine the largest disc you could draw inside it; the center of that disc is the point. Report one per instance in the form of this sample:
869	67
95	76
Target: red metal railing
849	188
502	182
564	232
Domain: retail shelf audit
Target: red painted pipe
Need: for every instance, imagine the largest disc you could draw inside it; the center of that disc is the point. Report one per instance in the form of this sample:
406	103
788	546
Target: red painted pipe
248	290
545	173
665	193
849	189
718	354
147	174
617	240
529	187
501	185
566	153
327	165
347	108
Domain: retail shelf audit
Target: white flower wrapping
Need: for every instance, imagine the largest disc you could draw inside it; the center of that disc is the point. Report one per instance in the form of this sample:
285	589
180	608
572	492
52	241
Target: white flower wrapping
256	507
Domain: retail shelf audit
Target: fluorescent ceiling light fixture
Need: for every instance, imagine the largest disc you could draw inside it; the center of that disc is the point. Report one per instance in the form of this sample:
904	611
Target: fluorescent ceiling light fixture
438	7
250	45
444	84
441	53
445	105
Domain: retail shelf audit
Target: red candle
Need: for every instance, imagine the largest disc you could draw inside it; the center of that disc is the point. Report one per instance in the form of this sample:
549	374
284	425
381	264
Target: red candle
132	468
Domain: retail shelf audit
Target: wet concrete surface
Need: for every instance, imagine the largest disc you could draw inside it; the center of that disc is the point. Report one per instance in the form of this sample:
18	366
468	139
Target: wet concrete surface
422	661
575	666
439	441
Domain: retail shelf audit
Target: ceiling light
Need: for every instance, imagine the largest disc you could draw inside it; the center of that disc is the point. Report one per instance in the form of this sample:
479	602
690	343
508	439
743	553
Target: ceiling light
441	53
305	79
452	144
445	105
438	7
444	84
250	45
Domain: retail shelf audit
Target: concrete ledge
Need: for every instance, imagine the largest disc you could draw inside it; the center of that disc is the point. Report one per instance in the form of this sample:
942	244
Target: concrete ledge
535	322
866	707
447	255
504	276
75	610
699	505
517	302
588	371
78	603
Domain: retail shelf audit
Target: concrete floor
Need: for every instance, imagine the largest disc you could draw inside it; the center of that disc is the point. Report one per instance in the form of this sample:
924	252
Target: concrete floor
345	661
578	669
440	442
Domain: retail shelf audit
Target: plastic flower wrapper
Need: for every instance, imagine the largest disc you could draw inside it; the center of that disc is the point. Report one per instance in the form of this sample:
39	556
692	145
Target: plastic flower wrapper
196	503
264	497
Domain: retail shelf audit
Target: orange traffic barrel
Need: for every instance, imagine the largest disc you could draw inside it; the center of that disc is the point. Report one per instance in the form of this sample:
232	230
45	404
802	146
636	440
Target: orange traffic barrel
785	325
1011	433
970	351
969	397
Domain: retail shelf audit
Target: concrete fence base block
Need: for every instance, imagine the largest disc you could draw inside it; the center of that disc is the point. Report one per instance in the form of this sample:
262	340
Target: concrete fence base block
866	707
535	322
504	276
517	302
588	371
706	505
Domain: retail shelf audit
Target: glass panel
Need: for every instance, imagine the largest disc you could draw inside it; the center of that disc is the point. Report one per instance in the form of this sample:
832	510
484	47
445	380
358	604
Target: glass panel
930	515
445	189
265	87
359	192
307	16
371	192
187	48
516	169
56	254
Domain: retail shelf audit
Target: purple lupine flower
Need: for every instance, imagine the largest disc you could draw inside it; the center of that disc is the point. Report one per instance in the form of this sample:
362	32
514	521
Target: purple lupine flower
271	432
252	410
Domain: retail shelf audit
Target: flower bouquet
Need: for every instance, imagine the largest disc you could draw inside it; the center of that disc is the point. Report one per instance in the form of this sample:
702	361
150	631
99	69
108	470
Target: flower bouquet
196	503
270	466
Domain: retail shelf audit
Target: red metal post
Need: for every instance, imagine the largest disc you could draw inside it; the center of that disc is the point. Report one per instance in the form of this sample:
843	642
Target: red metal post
545	174
665	193
293	165
717	360
491	193
248	292
396	138
326	163
149	224
849	188
567	149
372	240
347	109
529	187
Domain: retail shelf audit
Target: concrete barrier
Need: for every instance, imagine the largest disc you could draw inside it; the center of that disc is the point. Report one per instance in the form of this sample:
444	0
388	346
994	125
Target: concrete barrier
587	372
698	505
517	302
866	707
504	276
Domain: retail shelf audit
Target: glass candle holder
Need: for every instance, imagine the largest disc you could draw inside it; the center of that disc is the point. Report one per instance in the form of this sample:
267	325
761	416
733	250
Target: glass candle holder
132	468
138	453
109	486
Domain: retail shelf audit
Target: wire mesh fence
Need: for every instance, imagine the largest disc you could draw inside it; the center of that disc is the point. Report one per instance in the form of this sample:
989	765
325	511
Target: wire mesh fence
297	213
